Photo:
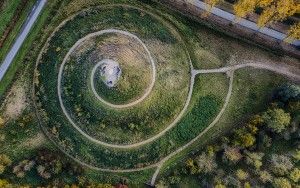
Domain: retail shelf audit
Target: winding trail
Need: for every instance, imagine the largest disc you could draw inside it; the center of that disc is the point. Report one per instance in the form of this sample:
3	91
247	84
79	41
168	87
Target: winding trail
229	69
160	164
153	70
266	66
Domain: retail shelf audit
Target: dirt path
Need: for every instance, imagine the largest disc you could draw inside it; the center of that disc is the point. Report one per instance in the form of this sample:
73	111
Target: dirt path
283	70
153	71
230	74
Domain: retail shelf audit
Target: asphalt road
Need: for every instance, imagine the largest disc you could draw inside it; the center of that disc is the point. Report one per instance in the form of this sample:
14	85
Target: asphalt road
243	22
32	17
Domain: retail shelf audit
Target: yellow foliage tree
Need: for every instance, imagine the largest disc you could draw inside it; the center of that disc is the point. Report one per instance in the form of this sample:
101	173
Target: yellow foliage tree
293	33
278	11
244	7
211	4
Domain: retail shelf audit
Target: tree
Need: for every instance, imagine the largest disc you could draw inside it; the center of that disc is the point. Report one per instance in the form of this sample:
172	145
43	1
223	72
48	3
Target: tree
293	33
278	11
254	159
4	162
205	163
232	155
191	166
4	183
243	138
280	164
281	183
211	3
241	174
219	185
265	176
244	7
295	175
287	92
276	119
2	122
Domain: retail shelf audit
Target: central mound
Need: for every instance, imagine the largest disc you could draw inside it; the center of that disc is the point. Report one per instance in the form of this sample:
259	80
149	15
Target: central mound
110	72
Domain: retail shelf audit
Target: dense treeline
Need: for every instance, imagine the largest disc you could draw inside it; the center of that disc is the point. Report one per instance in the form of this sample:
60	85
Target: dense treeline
263	152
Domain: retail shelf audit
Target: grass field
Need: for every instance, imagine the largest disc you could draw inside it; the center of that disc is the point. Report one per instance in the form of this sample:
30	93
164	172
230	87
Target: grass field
168	35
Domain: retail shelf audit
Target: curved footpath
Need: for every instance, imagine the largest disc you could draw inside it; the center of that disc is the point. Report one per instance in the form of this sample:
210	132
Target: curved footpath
259	65
153	70
202	133
32	17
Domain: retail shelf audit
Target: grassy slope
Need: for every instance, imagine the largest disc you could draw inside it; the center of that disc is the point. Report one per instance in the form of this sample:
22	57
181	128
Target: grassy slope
15	31
205	85
19	59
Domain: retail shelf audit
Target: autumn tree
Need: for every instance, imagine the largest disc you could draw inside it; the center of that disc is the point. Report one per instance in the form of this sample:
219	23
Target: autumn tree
278	11
293	33
281	183
276	119
244	7
211	4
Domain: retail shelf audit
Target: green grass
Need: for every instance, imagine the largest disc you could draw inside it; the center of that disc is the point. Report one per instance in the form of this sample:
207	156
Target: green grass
17	28
7	12
25	51
151	115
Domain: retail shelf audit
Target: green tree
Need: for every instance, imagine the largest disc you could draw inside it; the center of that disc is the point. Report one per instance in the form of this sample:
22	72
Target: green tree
232	155
280	164
287	92
4	162
276	119
205	163
254	159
